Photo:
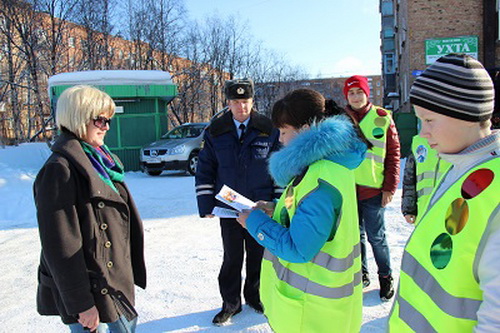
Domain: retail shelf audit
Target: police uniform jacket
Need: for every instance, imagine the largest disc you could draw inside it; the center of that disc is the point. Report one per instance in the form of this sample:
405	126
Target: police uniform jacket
242	166
91	236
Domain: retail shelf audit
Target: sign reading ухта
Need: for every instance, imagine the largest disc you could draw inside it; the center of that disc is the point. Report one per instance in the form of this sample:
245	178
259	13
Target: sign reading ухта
436	48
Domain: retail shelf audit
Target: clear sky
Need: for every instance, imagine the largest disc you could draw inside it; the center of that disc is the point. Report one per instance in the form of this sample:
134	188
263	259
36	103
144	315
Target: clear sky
328	38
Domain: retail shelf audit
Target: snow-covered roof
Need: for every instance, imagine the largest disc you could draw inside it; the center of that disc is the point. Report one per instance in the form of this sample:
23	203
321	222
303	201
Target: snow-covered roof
111	78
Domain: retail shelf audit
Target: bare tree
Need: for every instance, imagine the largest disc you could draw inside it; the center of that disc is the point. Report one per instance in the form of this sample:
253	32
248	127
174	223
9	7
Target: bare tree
10	86
39	40
26	41
57	32
95	17
222	43
191	79
164	35
137	31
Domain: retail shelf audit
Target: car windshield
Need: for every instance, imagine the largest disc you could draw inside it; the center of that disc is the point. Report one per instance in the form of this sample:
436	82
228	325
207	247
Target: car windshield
183	132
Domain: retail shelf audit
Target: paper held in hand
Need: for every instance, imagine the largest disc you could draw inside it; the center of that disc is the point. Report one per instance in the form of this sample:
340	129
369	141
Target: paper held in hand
225	213
231	198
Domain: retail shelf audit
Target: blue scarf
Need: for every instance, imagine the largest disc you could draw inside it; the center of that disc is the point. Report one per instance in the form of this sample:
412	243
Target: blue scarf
108	168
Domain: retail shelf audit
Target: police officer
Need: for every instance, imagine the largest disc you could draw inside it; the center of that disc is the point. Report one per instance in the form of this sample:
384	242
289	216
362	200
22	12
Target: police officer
236	147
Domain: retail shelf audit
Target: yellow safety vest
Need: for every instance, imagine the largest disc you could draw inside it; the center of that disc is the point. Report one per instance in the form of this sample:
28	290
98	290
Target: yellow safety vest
429	169
374	126
324	294
439	287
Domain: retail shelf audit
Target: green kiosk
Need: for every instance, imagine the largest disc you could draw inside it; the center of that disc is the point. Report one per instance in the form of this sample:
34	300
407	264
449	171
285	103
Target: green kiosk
141	99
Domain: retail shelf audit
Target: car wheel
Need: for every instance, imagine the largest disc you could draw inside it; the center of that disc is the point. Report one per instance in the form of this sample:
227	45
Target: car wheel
192	163
154	173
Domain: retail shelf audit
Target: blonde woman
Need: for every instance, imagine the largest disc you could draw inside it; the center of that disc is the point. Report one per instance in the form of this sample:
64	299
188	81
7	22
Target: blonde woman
90	230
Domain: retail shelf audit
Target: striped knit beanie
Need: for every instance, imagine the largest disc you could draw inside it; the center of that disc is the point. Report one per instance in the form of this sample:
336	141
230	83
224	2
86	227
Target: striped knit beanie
457	86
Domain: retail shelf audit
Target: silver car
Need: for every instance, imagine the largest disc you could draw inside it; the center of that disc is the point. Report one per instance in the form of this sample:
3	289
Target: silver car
176	150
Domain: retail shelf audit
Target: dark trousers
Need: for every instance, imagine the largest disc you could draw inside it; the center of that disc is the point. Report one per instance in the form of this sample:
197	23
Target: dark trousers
371	223
236	240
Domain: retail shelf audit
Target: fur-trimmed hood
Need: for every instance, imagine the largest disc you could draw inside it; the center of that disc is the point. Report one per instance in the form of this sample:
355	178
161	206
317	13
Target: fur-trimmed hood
333	139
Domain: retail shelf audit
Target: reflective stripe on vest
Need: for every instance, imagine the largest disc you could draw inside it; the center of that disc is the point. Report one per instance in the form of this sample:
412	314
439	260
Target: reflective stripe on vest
413	318
376	158
316	295
459	307
374	126
426	175
377	143
439	285
304	284
423	192
333	264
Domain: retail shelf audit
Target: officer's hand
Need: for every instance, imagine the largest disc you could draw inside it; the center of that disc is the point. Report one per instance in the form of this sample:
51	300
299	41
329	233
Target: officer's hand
209	216
266	206
242	217
386	198
410	218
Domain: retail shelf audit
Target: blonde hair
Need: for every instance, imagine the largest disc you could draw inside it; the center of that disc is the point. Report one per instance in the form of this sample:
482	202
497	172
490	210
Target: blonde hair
78	105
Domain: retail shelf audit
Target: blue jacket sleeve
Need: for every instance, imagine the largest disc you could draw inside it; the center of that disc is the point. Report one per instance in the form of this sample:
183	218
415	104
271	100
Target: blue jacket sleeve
310	227
205	177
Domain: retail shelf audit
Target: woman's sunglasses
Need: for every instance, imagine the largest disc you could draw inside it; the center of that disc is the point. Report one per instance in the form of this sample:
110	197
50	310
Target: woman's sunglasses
101	122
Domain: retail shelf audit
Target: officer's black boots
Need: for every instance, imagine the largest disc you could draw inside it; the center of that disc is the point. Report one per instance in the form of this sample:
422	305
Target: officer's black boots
225	315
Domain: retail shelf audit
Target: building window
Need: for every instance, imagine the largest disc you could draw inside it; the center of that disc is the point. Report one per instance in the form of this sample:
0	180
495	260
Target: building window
71	42
388	32
387	8
389	65
388	44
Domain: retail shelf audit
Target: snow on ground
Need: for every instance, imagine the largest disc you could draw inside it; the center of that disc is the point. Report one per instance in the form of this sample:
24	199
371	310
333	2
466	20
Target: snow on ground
183	253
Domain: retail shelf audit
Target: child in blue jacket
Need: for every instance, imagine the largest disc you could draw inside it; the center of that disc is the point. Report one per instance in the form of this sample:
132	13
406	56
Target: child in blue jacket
311	271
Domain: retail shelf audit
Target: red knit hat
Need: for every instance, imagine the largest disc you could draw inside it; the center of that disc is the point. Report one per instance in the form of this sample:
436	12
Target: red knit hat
357	81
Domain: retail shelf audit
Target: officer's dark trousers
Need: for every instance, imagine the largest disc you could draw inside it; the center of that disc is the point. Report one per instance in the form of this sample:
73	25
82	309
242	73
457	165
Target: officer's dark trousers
236	240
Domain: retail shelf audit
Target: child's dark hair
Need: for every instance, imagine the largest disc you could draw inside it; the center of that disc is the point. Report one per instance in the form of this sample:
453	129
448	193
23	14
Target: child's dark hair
306	106
298	108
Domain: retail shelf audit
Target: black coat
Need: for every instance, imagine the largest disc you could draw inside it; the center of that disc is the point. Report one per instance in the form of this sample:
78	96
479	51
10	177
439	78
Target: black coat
92	238
241	166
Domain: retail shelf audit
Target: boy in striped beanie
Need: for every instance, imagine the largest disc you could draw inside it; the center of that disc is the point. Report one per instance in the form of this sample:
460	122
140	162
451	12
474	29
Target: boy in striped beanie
456	86
450	277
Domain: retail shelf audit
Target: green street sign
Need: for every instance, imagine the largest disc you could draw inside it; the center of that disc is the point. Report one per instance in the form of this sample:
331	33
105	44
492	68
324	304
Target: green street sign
438	47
